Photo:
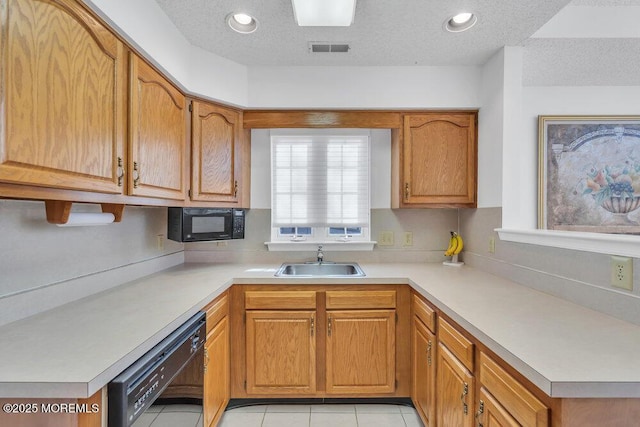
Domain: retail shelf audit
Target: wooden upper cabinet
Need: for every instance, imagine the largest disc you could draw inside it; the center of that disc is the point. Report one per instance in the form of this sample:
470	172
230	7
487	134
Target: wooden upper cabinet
63	84
439	158
216	153
158	132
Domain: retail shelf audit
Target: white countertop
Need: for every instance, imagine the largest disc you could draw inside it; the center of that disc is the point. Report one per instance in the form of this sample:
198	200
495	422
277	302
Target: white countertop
565	349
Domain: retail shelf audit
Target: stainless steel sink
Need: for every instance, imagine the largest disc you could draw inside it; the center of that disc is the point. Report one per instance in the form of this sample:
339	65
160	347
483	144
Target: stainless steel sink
324	269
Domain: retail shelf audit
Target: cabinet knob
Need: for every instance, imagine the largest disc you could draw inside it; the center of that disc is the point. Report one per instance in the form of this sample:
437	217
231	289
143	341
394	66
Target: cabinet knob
329	327
406	191
429	345
235	189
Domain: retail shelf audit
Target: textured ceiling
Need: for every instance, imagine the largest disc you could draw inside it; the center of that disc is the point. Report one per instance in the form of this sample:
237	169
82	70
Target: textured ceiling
581	62
380	36
385	32
606	3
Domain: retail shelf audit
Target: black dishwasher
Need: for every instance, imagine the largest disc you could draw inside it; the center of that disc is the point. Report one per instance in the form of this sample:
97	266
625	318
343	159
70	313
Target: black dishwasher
137	387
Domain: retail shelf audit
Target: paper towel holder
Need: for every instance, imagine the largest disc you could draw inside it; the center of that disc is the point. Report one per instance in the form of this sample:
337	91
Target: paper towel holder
58	211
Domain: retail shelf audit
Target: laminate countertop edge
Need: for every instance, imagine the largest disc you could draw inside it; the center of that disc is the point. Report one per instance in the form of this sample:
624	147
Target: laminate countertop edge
566	350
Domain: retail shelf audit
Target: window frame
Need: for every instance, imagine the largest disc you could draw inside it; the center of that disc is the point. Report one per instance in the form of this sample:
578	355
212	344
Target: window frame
322	235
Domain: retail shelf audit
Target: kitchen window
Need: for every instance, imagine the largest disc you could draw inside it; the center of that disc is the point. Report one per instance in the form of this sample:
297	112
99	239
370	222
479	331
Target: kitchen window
320	186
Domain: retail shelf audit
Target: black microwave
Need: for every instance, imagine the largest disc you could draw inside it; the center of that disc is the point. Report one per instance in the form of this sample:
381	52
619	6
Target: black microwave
205	224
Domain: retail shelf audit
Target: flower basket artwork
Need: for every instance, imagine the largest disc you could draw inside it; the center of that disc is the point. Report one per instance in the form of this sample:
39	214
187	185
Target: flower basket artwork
589	174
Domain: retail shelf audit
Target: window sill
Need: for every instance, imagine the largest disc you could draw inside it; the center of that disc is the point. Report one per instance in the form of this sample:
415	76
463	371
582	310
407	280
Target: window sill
612	244
332	245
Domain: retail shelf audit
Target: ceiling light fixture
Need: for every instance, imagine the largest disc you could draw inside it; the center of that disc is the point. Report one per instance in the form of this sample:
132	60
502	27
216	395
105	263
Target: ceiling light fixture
460	22
324	13
242	23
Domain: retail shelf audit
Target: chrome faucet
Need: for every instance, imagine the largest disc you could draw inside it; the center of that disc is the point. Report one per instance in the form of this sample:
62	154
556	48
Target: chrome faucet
320	255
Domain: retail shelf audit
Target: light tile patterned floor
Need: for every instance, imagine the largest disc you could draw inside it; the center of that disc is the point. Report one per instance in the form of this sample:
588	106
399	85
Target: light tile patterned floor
339	415
319	415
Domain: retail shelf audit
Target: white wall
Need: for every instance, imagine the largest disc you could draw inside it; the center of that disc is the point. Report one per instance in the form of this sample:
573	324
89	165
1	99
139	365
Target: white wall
43	266
521	163
145	26
491	132
515	151
364	87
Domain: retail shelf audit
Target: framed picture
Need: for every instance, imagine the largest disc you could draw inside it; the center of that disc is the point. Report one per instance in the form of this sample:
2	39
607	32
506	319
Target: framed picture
589	173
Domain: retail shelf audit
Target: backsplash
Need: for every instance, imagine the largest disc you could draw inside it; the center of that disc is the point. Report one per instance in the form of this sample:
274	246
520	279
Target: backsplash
44	266
580	277
430	228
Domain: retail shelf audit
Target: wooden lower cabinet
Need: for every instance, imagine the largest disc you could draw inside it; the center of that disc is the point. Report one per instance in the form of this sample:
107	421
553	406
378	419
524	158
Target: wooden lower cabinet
216	383
321	341
281	352
361	351
216	373
504	398
424	372
491	414
455	388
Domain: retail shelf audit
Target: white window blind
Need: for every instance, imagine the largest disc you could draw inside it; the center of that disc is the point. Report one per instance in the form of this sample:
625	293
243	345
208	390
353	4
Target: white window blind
320	181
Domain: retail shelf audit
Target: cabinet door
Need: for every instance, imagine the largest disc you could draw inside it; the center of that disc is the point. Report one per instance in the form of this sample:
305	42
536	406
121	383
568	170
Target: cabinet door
424	372
455	385
361	351
439	159
492	414
157	135
519	402
216	154
63	84
216	373
281	352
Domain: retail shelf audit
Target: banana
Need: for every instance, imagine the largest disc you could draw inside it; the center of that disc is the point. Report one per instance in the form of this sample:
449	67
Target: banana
460	244
453	243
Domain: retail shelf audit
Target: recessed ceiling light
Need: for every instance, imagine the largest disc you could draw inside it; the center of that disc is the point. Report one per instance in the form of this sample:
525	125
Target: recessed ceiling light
460	22
242	23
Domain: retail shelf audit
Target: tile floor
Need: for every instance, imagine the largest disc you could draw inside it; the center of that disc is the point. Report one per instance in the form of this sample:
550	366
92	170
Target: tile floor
319	415
171	416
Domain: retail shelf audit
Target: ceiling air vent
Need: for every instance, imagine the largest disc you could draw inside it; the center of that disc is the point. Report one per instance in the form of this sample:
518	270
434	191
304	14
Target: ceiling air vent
328	47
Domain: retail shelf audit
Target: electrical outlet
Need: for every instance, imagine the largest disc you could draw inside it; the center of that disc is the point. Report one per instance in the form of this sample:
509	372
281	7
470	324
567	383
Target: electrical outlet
385	238
622	272
407	239
160	241
492	245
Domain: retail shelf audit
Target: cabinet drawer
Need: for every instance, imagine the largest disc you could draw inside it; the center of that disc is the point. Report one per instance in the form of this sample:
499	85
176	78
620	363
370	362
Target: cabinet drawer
216	310
513	396
285	300
424	313
338	300
461	347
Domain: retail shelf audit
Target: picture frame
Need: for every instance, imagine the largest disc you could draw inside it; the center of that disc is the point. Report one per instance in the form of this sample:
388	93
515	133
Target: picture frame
589	173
